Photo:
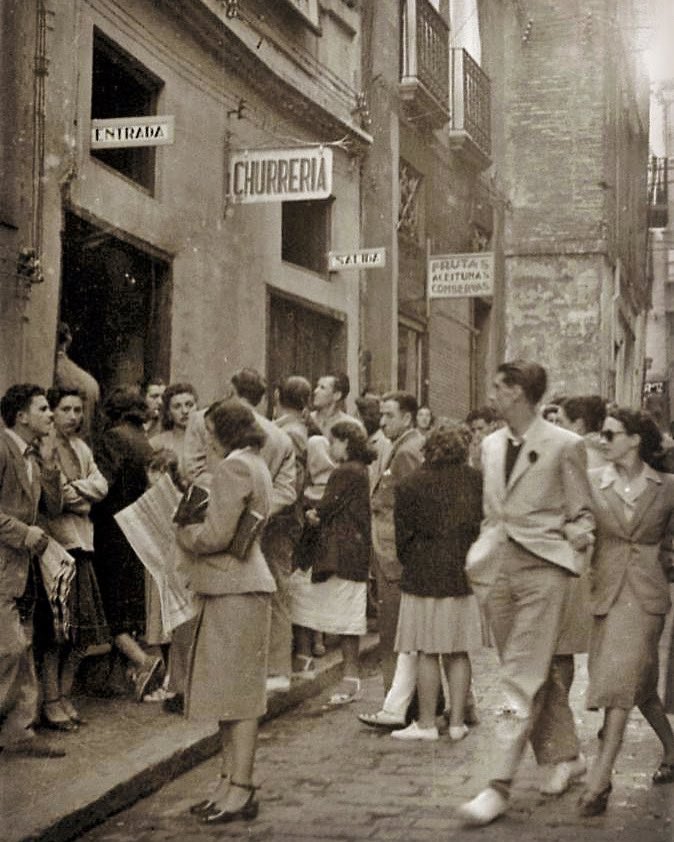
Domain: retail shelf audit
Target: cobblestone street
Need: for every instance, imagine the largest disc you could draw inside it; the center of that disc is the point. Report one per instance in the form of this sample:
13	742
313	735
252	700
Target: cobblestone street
325	776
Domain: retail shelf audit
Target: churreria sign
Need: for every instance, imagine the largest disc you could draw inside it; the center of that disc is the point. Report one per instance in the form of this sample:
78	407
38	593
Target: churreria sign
280	175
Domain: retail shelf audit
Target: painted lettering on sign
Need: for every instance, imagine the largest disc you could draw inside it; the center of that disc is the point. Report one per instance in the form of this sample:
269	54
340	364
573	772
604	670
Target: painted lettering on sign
281	175
361	259
461	275
132	131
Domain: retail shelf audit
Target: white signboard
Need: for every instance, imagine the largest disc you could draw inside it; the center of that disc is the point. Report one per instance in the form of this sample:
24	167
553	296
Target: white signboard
361	259
280	175
461	275
132	131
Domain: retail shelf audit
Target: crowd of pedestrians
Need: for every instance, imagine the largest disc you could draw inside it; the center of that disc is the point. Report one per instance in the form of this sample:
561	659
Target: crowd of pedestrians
543	531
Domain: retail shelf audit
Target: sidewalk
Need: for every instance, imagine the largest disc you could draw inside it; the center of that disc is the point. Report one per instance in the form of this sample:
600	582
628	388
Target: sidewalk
124	752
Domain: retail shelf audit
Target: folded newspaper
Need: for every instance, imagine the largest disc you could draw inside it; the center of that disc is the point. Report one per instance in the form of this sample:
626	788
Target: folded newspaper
57	567
148	526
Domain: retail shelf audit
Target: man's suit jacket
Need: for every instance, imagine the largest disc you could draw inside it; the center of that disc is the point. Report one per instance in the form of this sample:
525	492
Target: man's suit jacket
278	453
19	499
546	505
639	550
406	456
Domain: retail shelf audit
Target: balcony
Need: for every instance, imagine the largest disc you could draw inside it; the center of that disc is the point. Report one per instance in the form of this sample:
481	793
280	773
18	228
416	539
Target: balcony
424	63
658	208
470	127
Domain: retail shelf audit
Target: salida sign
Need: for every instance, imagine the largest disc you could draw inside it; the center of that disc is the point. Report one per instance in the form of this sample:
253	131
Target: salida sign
280	175
461	275
361	259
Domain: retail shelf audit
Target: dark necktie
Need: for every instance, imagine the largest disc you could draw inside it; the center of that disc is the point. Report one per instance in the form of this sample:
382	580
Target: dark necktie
511	457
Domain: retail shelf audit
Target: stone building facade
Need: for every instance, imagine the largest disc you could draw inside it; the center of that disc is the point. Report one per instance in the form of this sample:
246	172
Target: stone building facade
573	155
155	267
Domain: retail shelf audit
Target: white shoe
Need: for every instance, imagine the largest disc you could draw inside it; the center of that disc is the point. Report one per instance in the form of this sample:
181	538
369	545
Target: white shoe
414	732
484	808
382	719
562	774
457	732
278	683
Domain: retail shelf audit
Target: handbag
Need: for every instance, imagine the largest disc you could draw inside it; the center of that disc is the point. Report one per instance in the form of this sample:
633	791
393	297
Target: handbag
248	528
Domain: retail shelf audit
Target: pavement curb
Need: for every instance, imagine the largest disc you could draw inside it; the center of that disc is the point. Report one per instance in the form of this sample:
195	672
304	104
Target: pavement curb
77	819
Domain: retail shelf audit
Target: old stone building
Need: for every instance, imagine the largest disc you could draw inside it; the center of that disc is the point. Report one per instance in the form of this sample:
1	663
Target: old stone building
157	265
571	146
426	194
426	128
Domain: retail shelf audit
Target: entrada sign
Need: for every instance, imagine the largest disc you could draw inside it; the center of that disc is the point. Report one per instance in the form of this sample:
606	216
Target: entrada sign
461	275
361	259
131	131
280	175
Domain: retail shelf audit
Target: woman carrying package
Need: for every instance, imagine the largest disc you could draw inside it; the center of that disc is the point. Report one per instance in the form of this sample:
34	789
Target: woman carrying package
228	667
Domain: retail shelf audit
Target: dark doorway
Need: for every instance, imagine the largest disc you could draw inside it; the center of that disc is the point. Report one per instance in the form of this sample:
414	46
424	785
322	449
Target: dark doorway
303	341
116	299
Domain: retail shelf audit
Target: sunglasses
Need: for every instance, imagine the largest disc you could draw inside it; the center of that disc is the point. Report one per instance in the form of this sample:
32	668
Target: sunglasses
609	435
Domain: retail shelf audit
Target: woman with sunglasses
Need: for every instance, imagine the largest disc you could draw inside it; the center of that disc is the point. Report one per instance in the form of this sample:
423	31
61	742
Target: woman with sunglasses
634	510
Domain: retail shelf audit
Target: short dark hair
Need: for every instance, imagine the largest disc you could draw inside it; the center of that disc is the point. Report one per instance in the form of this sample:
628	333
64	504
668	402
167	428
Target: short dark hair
483	413
249	384
125	404
638	422
150	381
56	394
165	460
357	447
406	402
446	445
340	383
16	399
234	424
369	409
531	377
170	392
591	409
294	392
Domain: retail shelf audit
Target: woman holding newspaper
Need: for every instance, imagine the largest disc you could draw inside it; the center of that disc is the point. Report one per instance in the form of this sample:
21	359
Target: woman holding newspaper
227	571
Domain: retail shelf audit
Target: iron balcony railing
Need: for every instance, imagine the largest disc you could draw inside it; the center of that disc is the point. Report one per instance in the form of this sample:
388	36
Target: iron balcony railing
471	99
658	208
424	59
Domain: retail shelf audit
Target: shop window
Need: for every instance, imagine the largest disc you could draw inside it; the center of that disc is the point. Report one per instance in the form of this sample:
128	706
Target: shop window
305	233
122	87
410	359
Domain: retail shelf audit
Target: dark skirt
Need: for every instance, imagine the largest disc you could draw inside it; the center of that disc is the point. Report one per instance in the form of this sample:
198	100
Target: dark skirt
88	624
121	577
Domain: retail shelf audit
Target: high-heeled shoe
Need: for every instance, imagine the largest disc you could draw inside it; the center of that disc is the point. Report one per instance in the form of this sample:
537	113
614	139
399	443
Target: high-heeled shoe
594	804
247	811
71	711
56	723
201	808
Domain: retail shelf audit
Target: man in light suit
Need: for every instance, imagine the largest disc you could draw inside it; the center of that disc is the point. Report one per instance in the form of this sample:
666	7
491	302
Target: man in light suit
537	529
29	475
398	416
279	454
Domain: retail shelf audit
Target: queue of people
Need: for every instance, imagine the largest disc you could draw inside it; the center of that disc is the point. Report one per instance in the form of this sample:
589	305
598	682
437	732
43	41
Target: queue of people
543	538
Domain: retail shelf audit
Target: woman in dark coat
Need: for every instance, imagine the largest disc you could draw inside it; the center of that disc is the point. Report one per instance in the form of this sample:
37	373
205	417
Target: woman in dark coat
437	516
333	599
629	594
122	454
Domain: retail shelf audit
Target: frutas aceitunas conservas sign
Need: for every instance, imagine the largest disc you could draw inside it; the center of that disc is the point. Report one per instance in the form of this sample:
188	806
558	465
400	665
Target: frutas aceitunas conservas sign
280	175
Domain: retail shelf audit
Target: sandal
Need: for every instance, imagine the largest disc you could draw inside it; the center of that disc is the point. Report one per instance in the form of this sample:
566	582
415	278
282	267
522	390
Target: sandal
664	774
343	697
307	669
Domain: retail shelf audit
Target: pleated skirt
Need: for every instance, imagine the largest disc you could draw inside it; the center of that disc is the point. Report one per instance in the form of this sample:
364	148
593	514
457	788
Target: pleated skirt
228	660
438	625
